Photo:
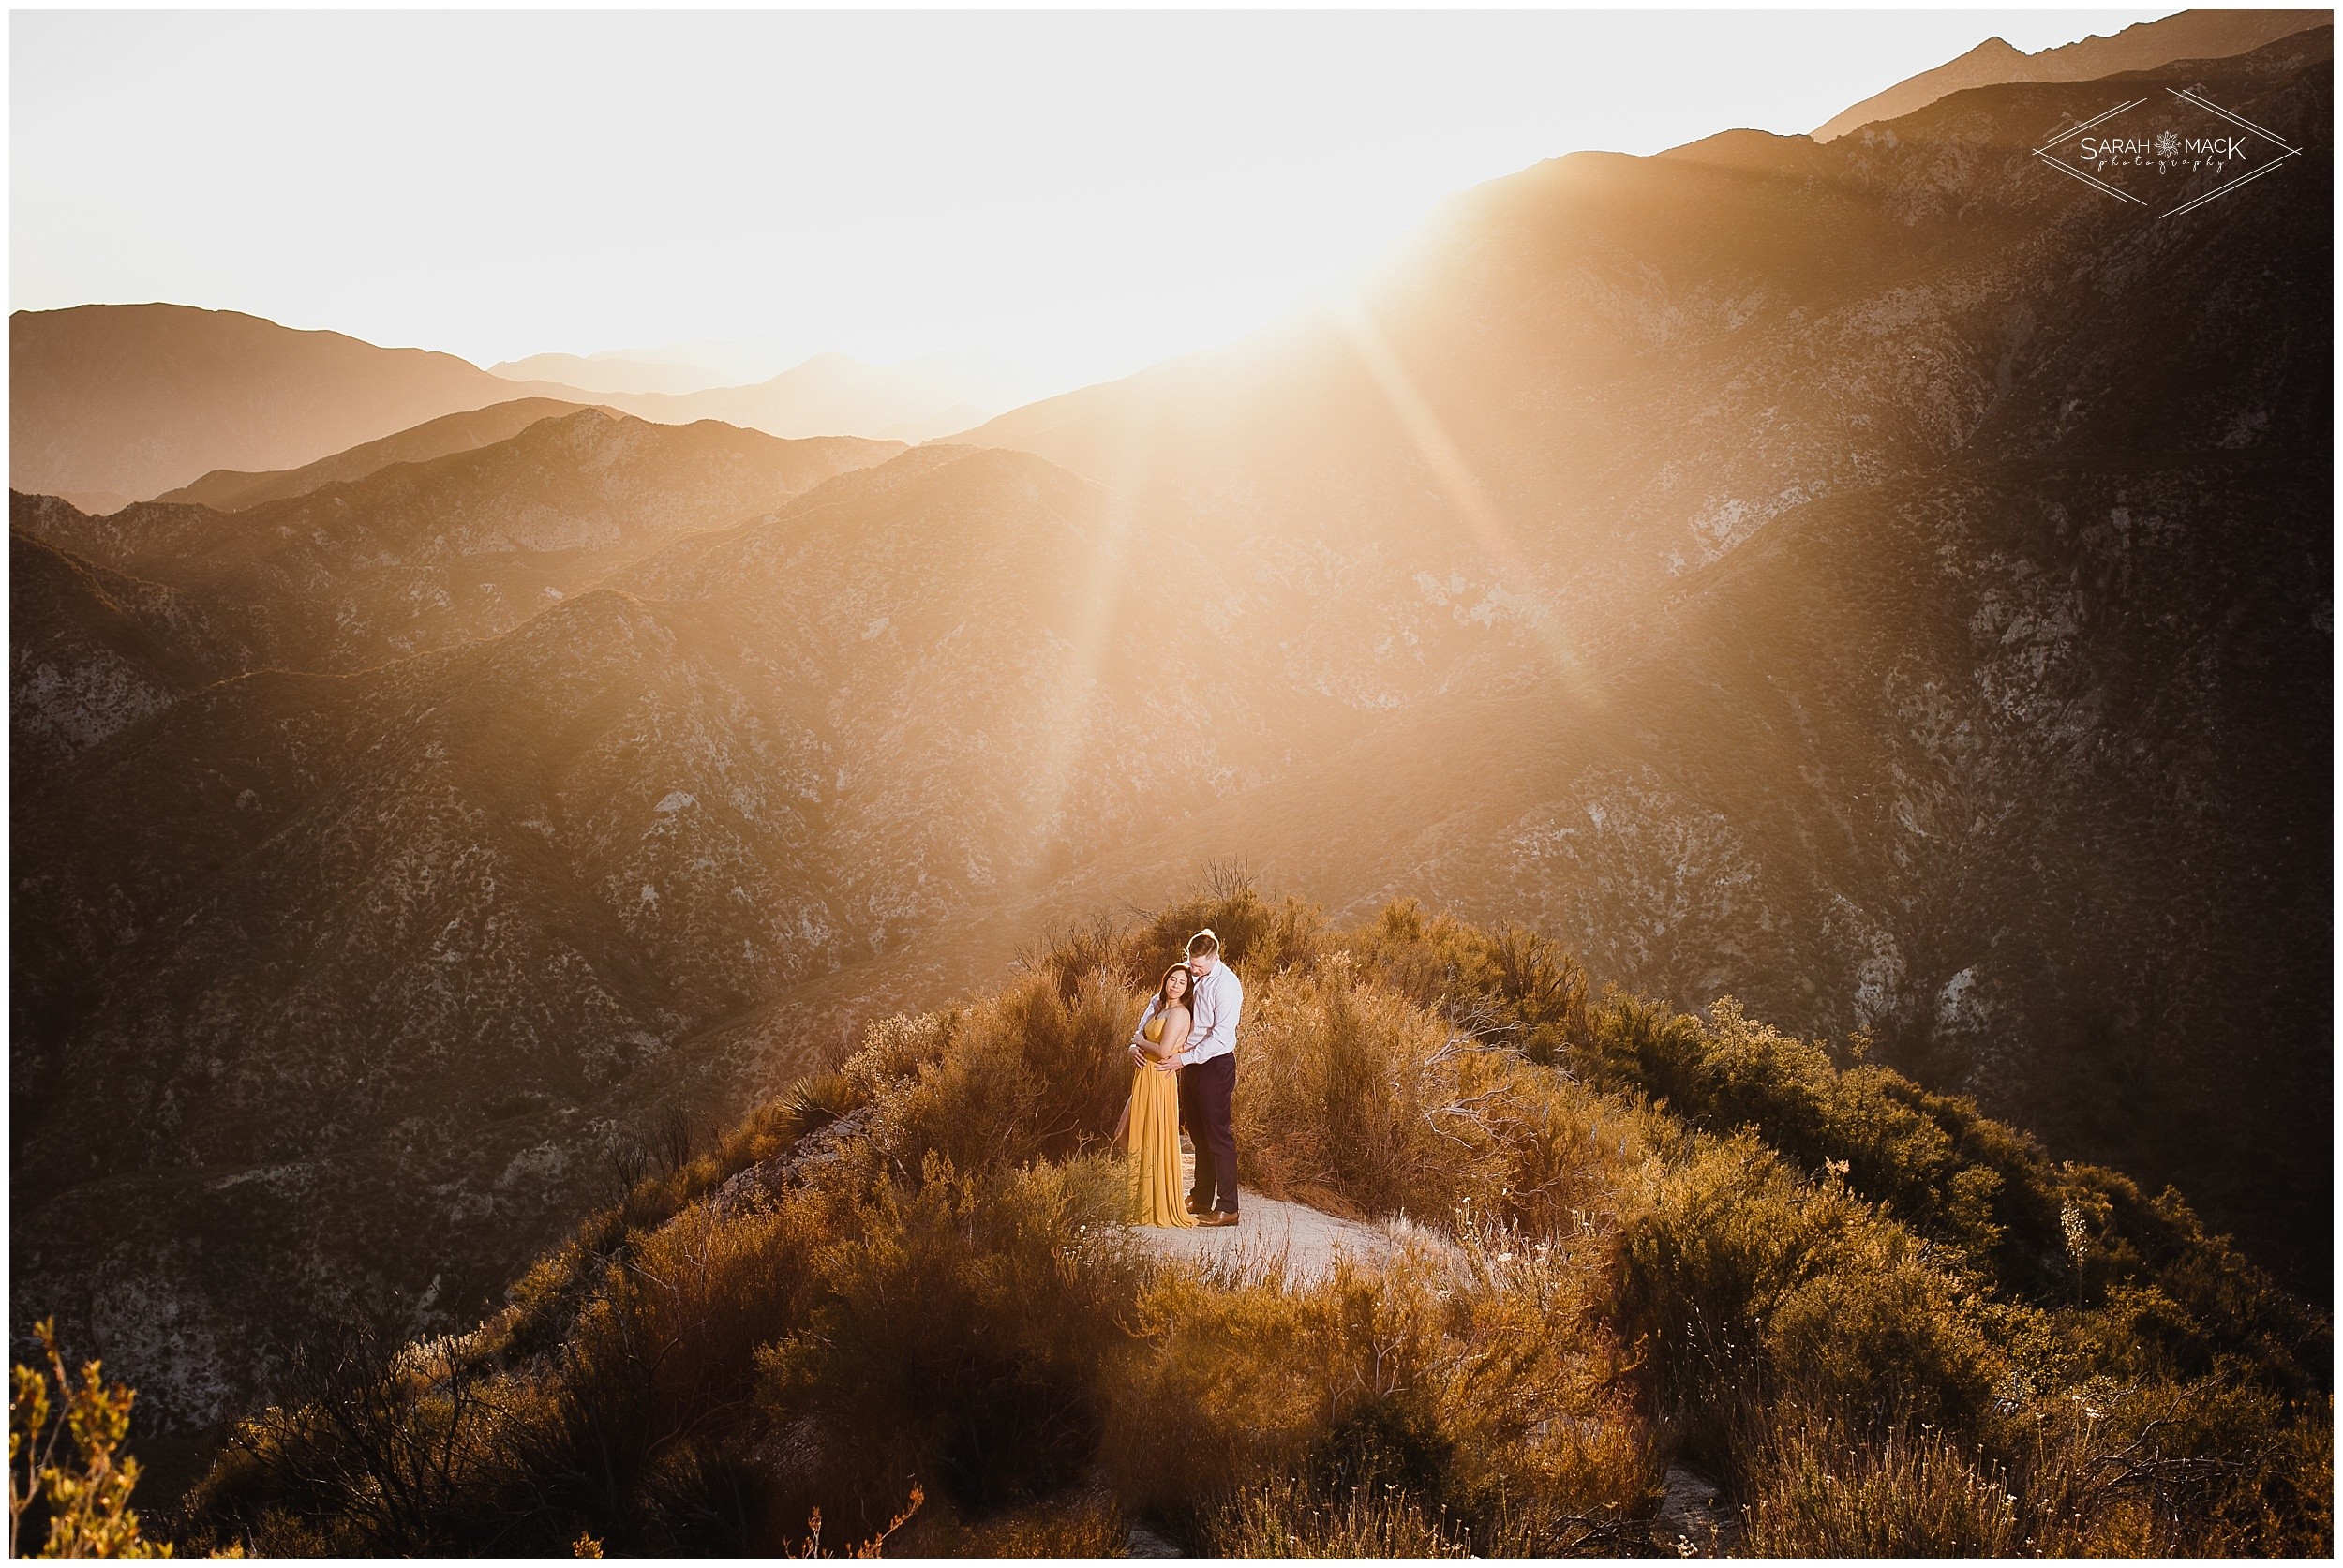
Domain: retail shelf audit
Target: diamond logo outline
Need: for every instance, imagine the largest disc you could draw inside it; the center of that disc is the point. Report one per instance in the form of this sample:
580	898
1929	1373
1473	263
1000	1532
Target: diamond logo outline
2166	145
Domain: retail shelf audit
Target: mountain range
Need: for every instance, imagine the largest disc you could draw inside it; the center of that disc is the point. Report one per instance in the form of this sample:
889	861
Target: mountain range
117	403
125	401
1879	580
2142	45
613	370
826	395
228	490
122	403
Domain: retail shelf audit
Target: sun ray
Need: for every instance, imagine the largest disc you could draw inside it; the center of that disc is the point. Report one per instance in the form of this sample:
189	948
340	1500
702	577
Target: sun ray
1101	608
1468	499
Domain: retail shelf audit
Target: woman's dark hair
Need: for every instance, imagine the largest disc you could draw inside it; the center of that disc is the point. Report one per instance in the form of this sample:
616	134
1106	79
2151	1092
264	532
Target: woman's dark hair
1163	987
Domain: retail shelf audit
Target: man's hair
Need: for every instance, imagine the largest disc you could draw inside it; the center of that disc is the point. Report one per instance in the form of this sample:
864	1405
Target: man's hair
1204	942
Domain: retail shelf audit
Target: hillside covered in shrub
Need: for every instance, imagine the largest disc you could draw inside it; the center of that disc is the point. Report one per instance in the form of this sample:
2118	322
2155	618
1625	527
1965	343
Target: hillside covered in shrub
1884	1322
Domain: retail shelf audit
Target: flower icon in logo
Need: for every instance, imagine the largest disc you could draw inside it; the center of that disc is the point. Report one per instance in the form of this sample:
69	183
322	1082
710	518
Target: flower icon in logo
2168	144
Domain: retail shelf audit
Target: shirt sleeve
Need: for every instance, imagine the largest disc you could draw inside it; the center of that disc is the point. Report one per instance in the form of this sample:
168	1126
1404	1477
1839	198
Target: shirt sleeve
1139	1035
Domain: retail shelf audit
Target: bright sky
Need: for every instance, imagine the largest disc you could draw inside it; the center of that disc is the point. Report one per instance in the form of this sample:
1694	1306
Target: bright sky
1088	191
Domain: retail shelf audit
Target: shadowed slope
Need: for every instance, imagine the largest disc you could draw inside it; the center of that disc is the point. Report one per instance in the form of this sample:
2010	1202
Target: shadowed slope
93	653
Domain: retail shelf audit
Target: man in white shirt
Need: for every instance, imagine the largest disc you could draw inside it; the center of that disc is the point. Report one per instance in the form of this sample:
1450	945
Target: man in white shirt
1208	1078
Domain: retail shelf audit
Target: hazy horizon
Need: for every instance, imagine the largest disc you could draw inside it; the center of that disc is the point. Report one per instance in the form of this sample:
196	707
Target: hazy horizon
908	190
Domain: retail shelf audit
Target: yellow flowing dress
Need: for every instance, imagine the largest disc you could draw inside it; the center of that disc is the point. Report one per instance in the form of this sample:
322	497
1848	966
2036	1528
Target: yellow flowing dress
1156	1198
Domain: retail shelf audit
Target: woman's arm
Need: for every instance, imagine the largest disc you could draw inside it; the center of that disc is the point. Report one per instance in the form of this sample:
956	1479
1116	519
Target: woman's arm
1175	1021
1139	1035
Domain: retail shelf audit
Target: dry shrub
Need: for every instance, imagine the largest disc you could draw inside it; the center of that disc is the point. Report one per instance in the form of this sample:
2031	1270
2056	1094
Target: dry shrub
381	1447
896	1048
1258	937
1960	1178
1102	950
2202	1468
1549	1434
1578	1162
1356	1100
1229	1384
1906	1494
1746	1282
633	1428
958	1336
1025	1075
1088	1523
1522	987
1291	1516
1864	1398
2114	1471
680	1314
1476	1386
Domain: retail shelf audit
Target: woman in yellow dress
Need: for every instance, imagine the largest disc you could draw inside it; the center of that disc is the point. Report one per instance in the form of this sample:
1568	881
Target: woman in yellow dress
1154	1113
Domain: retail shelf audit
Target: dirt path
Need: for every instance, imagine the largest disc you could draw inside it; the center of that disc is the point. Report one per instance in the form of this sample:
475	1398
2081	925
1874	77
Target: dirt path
1275	1239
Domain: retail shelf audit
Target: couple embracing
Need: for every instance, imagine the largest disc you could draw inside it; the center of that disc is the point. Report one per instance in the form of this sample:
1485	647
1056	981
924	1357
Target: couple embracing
1184	1051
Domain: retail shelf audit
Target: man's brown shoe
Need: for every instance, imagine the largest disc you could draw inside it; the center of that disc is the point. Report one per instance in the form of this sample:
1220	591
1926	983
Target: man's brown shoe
1195	1207
1217	1218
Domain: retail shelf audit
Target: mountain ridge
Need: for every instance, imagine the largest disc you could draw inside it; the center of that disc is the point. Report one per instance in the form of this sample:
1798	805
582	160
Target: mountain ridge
414	552
2142	45
230	491
140	399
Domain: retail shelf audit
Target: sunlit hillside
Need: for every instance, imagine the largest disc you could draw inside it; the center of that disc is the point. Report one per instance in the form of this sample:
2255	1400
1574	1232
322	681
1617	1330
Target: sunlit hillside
1630	1240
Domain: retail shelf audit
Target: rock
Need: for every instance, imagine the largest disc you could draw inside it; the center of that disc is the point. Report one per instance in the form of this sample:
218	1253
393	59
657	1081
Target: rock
1146	1543
1693	1520
767	1179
